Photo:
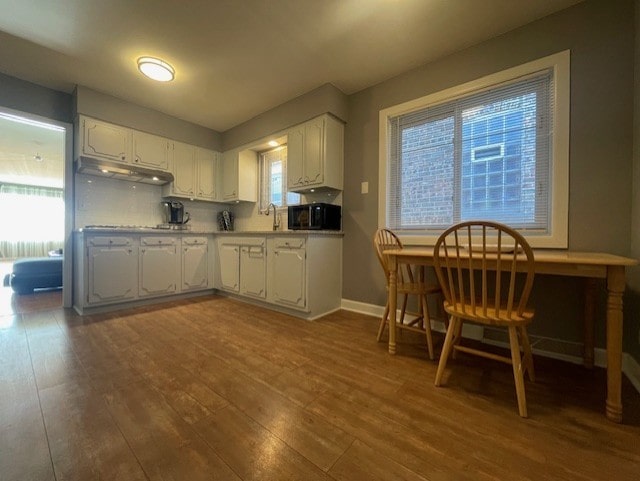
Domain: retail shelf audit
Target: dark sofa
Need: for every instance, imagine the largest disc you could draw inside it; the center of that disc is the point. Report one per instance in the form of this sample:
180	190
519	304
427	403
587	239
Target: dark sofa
36	273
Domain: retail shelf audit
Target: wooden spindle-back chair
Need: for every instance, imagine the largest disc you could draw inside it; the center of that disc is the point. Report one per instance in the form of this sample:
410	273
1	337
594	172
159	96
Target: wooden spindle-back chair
486	272
411	281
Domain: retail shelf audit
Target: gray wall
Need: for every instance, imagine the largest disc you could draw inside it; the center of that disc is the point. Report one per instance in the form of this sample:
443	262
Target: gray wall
632	300
31	98
600	35
111	109
326	98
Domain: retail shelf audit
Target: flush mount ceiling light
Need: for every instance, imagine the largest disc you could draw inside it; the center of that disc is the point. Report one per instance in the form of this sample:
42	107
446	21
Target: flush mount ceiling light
156	69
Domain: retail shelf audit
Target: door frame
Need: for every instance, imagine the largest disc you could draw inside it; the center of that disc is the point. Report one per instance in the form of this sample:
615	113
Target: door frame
68	188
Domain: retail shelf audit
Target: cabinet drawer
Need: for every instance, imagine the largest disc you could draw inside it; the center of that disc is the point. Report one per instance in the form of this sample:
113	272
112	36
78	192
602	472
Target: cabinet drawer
158	241
110	241
243	241
290	243
253	251
194	241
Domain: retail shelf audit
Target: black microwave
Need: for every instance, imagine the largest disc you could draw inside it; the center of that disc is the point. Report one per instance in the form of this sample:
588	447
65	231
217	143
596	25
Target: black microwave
315	217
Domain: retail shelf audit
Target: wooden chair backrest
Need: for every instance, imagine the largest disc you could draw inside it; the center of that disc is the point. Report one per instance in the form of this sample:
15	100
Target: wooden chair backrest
385	239
469	250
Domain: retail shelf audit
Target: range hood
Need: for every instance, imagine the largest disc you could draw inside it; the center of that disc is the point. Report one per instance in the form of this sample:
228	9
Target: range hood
115	170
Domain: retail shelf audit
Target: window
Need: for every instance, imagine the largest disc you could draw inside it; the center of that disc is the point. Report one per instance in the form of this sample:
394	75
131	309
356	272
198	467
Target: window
496	149
273	185
36	217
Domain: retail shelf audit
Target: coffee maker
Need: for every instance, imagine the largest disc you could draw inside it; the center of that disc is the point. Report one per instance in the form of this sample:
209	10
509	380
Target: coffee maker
174	214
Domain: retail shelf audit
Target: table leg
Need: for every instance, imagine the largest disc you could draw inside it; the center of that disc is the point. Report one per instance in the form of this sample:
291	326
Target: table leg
615	289
589	321
393	301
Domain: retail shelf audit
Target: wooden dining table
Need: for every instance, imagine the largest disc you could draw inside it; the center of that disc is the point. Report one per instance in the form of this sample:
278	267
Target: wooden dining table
588	265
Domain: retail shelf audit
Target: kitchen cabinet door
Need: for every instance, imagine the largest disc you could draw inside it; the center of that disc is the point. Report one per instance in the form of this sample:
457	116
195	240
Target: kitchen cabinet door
105	141
229	267
206	170
253	271
315	154
112	273
158	272
151	151
184	170
195	264
295	157
288	276
239	171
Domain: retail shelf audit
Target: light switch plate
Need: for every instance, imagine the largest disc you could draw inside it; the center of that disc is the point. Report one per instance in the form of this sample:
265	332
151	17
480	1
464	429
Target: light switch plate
364	188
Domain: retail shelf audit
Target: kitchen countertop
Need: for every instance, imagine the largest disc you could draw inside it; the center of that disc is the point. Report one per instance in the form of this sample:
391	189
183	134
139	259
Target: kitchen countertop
282	232
151	230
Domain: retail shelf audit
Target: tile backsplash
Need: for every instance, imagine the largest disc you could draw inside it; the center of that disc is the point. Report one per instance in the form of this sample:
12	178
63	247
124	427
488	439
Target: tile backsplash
106	201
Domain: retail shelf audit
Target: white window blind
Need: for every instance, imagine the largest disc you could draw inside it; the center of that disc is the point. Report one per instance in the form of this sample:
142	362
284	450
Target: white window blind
485	155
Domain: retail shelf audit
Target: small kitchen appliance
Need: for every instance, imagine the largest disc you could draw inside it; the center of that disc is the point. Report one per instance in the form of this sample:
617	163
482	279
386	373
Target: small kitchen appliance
174	213
314	217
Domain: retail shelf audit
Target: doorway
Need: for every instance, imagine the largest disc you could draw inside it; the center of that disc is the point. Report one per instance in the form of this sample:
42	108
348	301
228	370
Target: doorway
37	209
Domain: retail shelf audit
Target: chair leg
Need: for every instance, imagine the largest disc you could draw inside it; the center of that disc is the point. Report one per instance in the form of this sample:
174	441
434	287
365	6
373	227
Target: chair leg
404	308
528	357
383	321
427	325
517	370
457	337
446	350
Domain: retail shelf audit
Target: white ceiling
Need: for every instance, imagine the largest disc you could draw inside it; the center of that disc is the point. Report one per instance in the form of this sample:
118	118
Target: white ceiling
31	154
237	58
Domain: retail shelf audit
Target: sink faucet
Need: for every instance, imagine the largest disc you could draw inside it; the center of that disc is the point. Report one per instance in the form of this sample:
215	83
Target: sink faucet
276	216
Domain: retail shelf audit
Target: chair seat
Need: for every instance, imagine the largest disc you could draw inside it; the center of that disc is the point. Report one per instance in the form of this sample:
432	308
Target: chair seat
493	318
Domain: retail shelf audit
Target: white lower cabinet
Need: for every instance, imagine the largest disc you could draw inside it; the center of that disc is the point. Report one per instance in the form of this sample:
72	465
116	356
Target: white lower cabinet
117	269
253	268
158	266
195	263
287	272
299	274
243	265
229	255
112	265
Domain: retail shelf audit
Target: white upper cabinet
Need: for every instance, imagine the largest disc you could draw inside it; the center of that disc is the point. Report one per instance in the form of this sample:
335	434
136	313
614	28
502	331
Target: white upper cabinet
239	171
184	171
105	141
151	151
206	172
315	155
194	170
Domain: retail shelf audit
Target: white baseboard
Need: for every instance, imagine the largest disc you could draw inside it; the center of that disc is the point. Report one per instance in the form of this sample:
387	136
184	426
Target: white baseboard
566	352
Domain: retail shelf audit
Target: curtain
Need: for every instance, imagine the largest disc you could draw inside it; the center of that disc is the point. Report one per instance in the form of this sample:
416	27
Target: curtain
32	220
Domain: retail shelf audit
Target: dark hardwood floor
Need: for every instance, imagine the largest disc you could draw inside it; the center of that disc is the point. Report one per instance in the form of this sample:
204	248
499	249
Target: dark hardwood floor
220	390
